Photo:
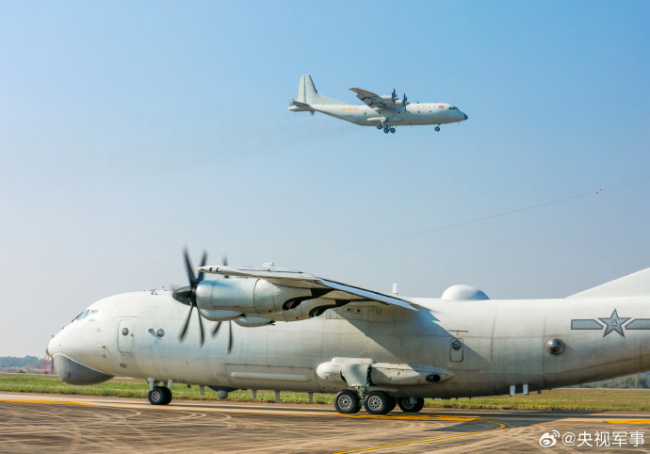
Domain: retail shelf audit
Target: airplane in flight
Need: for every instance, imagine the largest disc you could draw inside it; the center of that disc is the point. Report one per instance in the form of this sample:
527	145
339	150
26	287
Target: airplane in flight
298	332
385	112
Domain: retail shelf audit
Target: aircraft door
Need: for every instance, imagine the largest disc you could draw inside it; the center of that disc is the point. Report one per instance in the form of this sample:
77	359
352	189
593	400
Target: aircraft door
125	336
456	347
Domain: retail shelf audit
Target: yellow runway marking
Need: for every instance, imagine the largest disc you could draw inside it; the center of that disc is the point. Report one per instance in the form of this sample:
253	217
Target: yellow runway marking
498	425
420	417
629	421
34	401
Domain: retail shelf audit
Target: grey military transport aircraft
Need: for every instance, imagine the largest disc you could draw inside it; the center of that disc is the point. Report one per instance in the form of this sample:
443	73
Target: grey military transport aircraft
298	332
385	111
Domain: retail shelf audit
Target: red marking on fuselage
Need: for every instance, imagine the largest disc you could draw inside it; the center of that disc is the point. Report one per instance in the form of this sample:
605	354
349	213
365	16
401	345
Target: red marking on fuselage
350	108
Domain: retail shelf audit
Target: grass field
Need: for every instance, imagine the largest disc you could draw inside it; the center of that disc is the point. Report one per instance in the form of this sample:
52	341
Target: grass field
568	399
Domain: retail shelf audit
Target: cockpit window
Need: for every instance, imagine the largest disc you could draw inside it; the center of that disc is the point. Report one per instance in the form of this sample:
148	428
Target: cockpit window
91	314
453	108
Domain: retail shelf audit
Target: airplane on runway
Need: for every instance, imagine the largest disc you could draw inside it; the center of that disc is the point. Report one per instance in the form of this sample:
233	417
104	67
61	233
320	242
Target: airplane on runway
298	332
385	112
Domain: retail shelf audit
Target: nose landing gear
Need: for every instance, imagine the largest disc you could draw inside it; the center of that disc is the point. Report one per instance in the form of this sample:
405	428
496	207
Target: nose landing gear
437	128
160	395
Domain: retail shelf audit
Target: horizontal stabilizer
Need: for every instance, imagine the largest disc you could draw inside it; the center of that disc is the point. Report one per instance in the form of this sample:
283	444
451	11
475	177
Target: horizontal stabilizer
635	284
302	105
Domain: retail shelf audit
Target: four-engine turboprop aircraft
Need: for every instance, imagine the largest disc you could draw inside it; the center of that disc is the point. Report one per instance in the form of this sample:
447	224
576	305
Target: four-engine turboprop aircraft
385	112
298	332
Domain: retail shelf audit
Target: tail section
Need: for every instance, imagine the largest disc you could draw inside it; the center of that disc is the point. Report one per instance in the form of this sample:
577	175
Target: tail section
307	92
636	284
308	96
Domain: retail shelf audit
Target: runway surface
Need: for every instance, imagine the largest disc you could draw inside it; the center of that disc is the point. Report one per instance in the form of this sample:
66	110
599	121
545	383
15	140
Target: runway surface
61	423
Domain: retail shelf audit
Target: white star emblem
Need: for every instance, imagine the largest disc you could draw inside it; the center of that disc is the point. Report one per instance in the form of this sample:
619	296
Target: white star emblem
614	323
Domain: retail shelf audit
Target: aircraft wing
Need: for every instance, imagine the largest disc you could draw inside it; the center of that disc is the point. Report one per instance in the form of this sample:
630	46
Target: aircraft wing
298	279
371	99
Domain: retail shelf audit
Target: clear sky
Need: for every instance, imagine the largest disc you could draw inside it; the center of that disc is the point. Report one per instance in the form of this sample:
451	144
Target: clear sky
130	129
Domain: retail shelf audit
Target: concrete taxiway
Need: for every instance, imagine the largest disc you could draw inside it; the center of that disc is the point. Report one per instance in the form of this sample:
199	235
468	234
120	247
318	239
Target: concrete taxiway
58	423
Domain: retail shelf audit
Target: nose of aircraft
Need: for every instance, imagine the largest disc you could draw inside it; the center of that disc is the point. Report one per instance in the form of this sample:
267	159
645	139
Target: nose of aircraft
465	115
49	350
63	348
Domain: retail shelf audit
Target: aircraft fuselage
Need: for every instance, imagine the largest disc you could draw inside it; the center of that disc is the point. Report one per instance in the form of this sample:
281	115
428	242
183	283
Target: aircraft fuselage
484	347
411	115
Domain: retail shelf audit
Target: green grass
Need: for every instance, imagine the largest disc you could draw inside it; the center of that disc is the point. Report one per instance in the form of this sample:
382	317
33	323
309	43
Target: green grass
567	399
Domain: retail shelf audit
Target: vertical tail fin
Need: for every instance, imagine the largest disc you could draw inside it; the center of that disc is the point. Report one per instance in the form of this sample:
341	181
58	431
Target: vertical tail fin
307	93
635	284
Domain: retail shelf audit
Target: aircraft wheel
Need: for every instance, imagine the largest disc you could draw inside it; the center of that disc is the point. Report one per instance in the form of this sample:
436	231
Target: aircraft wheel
408	407
168	395
393	403
392	130
379	126
386	130
379	403
347	402
158	396
437	128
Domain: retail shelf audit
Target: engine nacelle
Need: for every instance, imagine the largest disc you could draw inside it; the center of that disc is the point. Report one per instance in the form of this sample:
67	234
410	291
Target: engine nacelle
221	298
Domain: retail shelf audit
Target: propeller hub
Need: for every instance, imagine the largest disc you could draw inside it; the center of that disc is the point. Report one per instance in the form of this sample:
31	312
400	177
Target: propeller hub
184	295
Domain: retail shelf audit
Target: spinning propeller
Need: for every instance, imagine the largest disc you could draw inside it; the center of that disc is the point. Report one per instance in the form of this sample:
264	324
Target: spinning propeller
187	296
216	328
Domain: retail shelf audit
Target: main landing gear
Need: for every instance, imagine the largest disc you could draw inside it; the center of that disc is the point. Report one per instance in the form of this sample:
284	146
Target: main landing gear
386	128
410	404
437	128
375	403
160	395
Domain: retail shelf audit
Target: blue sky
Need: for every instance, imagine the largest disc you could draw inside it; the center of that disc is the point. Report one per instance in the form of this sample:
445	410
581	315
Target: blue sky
130	129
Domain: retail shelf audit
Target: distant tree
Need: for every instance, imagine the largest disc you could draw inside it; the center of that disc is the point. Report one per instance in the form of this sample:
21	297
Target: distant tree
12	361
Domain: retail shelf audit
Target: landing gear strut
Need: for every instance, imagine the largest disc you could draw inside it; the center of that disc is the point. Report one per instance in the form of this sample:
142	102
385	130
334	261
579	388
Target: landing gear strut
160	395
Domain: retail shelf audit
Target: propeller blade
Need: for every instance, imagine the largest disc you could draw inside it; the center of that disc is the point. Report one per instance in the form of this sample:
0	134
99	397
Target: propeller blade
229	337
224	260
181	336
190	269
204	261
200	325
216	329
